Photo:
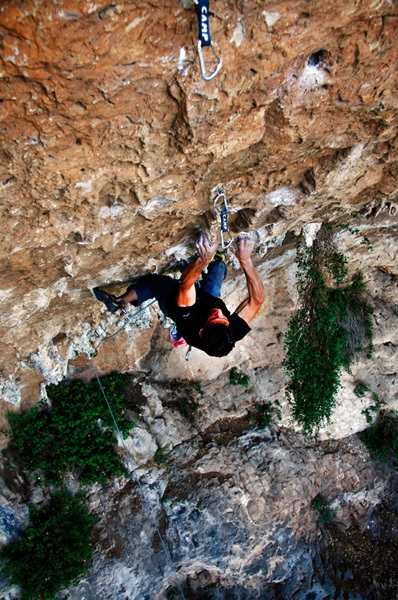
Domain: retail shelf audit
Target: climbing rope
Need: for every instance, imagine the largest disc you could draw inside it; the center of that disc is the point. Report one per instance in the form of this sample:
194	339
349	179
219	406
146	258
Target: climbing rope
125	323
127	453
134	472
202	8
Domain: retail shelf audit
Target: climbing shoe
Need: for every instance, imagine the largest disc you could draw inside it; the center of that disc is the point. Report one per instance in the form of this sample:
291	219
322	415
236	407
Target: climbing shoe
109	300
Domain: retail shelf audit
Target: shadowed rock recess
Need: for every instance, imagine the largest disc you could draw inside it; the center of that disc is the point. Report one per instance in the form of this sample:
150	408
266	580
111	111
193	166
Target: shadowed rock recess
112	148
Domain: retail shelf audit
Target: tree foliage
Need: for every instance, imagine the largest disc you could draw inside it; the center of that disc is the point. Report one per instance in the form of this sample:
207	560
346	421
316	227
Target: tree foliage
75	432
53	551
333	323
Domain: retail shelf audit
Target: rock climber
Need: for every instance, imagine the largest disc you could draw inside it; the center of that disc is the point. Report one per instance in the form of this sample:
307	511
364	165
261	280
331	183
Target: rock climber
201	317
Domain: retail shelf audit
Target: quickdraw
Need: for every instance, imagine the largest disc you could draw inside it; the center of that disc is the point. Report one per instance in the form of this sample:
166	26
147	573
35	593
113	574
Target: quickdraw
202	7
221	199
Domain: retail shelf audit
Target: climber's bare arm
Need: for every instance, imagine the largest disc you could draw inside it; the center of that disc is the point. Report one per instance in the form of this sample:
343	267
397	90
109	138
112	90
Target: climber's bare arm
187	293
248	309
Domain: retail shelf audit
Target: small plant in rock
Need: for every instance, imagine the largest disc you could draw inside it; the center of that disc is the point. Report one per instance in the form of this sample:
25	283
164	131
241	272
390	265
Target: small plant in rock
161	457
53	551
332	325
373	409
185	397
381	439
325	513
238	378
361	389
265	412
356	231
75	432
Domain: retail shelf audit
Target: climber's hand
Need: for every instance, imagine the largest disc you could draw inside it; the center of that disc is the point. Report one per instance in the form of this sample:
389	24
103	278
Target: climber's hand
186	290
243	249
205	250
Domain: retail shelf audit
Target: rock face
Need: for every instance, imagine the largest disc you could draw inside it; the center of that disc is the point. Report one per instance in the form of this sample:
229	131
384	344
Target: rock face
239	519
113	145
112	149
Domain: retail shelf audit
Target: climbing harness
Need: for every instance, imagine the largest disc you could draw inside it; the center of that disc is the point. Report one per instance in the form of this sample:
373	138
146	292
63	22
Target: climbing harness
134	473
221	204
202	8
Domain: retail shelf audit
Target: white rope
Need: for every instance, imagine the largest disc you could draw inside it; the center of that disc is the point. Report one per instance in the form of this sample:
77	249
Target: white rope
126	322
140	487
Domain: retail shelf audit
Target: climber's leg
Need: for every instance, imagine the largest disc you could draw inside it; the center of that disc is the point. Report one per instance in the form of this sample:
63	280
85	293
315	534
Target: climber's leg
211	281
151	286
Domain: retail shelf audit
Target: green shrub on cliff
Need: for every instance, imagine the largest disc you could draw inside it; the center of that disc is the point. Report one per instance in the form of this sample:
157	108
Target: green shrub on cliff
75	432
53	551
381	439
238	378
332	325
325	513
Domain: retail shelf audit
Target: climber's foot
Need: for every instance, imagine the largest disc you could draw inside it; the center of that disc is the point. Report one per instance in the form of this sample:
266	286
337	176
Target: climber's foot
110	301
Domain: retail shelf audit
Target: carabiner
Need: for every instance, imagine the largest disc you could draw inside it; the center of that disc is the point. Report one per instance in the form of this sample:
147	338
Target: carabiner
202	9
224	219
202	63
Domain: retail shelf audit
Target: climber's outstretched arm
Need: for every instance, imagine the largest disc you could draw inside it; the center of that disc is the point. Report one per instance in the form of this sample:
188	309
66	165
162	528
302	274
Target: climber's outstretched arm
248	309
186	293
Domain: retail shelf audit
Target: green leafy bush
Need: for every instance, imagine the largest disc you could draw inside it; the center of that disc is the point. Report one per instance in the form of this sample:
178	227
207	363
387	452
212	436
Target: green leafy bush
75	433
361	389
161	457
238	378
325	513
53	551
265	412
381	439
332	325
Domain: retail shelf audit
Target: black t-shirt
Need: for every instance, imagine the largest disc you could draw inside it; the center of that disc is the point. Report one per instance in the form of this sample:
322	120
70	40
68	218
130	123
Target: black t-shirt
191	319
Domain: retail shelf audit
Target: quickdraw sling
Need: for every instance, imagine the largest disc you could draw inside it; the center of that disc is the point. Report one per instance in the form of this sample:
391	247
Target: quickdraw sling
202	8
221	205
